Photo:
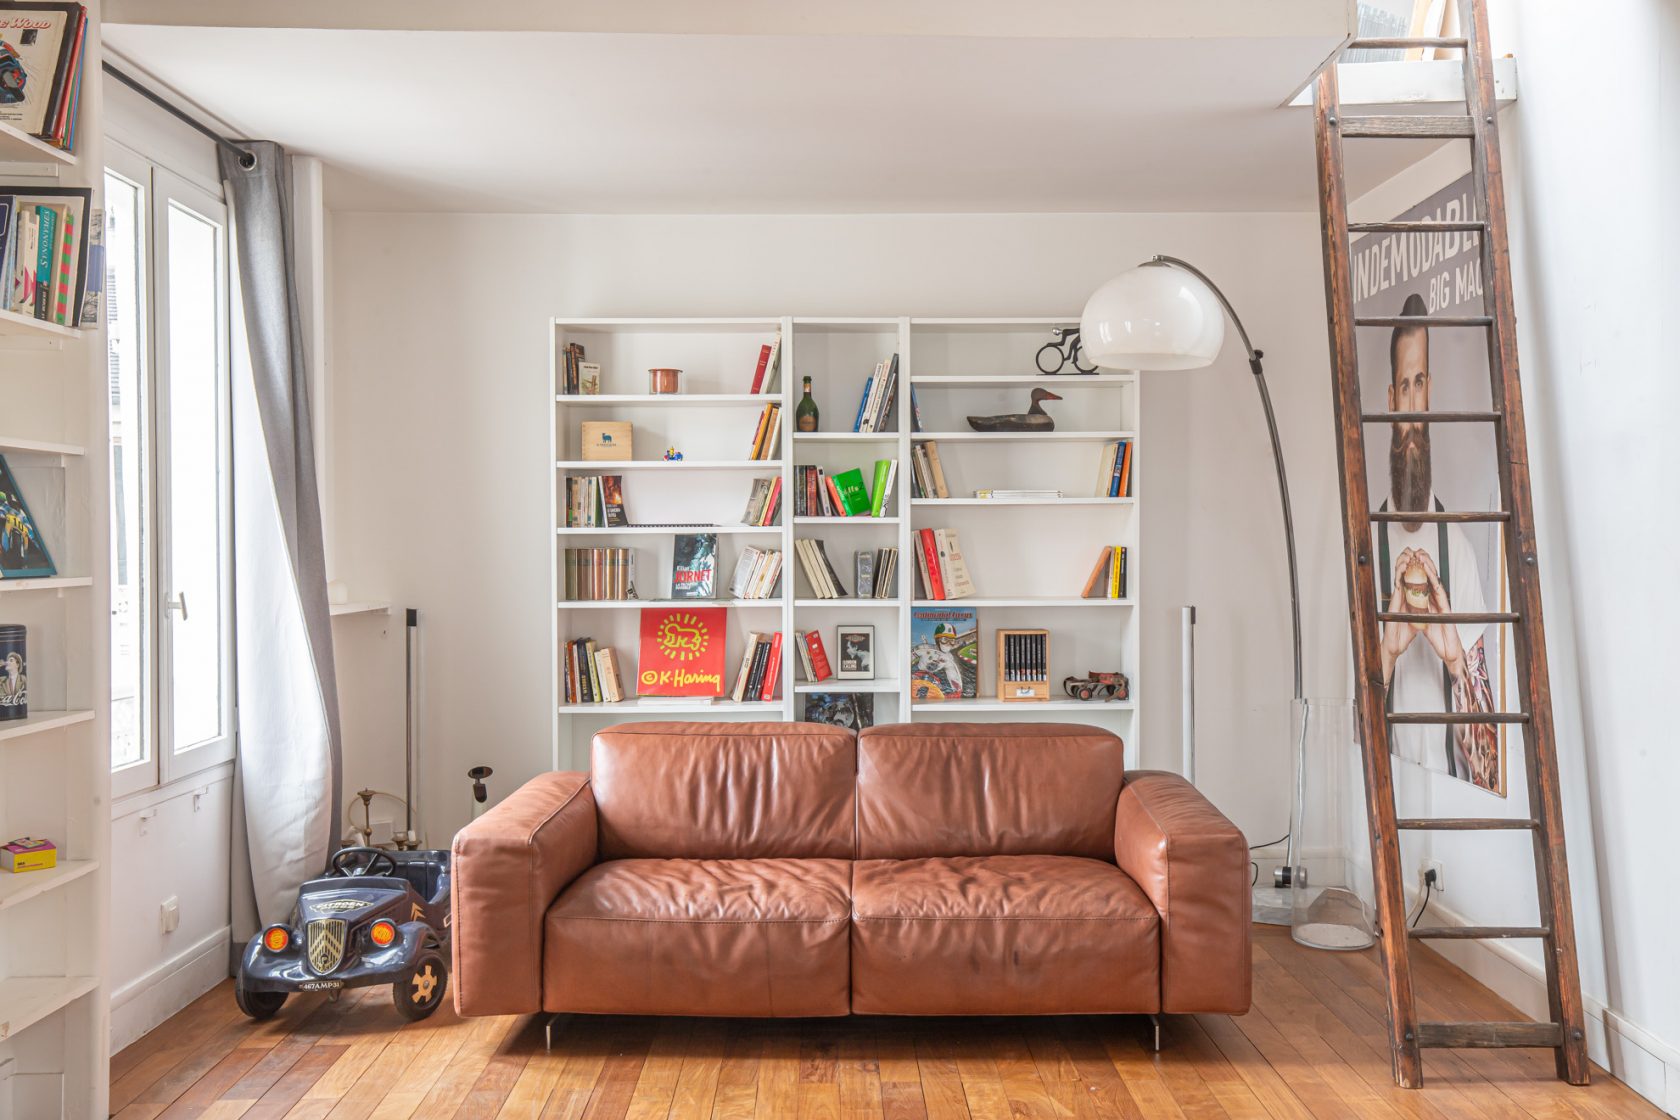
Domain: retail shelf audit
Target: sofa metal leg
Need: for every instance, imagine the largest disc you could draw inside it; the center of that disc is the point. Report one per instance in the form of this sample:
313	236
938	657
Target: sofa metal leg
1155	1020
553	1020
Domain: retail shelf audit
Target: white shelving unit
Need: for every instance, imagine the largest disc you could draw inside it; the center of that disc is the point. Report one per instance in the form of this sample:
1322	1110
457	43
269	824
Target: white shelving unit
55	765
1030	559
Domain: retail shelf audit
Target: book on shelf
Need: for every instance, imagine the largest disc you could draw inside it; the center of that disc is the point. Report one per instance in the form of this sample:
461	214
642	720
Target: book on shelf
852	494
767	437
1114	470
48	44
578	378
769	364
760	666
928	474
819	494
820	572
879	393
880	495
1018	495
599	574
941	565
854	710
595	502
886	573
863	567
1108	578
592	675
915	412
682	651
694	566
23	552
764	502
813	657
1023	665
944	653
756	573
45	253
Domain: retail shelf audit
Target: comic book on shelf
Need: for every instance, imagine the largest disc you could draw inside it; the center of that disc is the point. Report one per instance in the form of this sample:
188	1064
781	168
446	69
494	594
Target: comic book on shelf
944	653
694	566
854	710
23	554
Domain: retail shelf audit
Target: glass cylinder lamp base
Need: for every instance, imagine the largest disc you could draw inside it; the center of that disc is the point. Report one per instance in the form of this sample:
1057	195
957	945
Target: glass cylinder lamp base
1330	891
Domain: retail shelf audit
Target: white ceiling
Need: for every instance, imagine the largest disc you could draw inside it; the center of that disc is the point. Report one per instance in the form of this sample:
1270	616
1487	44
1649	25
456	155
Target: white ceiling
614	122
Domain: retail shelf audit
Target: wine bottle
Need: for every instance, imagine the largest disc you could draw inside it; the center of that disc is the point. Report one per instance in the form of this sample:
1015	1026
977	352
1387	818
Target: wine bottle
805	416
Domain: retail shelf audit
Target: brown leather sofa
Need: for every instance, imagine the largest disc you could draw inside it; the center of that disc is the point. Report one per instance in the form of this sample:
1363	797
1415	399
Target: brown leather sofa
794	869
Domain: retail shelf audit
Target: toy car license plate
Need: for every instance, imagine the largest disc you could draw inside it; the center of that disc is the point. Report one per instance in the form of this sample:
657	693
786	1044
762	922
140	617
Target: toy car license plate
320	985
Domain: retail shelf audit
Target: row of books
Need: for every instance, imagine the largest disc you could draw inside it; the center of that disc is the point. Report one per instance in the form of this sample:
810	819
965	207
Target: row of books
761	666
879	393
928	475
767	437
769	365
813	658
41	69
757	571
940	564
820	572
1114	472
819	494
599	574
764	503
595	501
1108	578
592	675
578	377
44	255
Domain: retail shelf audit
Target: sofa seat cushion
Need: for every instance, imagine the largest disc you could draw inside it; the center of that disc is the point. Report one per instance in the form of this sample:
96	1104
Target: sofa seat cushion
1002	935
763	937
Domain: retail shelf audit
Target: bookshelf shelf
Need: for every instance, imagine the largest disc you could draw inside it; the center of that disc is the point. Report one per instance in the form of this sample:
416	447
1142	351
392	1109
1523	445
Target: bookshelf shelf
20	888
598	466
987	381
1021	437
340	610
17	146
44	583
671	531
13	445
26	1000
1009	549
13	323
37	722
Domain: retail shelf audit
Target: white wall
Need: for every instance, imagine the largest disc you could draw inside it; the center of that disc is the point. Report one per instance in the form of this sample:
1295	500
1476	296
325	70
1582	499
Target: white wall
440	487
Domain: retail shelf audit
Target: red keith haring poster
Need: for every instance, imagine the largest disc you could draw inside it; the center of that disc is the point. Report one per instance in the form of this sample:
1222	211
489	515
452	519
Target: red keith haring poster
682	652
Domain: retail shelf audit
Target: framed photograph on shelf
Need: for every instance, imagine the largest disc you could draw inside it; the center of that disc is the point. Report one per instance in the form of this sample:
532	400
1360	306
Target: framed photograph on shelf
857	653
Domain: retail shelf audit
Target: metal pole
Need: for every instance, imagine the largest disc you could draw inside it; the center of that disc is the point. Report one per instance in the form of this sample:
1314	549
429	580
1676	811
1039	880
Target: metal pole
411	752
1187	678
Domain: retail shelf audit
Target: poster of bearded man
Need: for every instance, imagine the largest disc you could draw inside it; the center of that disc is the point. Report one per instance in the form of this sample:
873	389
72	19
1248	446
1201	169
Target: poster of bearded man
1422	567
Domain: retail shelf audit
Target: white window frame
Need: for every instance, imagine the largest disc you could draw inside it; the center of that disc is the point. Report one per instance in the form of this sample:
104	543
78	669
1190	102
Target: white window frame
162	765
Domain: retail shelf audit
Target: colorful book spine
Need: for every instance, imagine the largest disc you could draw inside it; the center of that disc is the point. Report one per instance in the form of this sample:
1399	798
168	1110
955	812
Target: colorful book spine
930	555
774	672
820	668
45	255
64	274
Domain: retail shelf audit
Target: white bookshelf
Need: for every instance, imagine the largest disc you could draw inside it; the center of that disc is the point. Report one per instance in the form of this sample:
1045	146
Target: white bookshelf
55	765
974	367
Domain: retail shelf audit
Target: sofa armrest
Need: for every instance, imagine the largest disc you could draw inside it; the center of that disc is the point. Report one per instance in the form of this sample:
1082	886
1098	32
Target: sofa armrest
509	867
1193	865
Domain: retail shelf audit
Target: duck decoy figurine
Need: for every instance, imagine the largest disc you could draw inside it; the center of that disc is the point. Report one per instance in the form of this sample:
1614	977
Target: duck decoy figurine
1034	419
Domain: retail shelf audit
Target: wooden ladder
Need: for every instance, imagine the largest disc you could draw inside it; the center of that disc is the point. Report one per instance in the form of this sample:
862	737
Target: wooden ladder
1564	1032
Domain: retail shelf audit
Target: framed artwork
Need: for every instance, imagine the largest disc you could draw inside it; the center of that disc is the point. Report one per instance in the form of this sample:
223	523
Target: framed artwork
682	652
857	653
23	554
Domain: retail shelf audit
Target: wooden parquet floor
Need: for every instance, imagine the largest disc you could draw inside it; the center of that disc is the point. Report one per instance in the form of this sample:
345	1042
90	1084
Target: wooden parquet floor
1312	1047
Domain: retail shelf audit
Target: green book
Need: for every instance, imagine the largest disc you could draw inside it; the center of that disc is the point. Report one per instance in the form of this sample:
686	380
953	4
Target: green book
854	499
878	494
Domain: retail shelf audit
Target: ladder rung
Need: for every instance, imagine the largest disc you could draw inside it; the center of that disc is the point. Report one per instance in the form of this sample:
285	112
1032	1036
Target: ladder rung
1436	517
1471	933
1466	824
1449	616
1432	417
1411	718
1416	227
1403	43
1423	321
1408	127
1485	1035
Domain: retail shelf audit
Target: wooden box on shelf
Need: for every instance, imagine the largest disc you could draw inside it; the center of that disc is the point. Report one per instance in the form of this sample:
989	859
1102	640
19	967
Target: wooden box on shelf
1023	665
607	441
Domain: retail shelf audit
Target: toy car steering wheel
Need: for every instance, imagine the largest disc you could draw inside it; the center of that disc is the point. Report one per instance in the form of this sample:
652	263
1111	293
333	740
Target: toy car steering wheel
368	861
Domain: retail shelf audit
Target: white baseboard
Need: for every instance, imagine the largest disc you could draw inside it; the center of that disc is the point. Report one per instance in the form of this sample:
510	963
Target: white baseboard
144	1003
1645	1063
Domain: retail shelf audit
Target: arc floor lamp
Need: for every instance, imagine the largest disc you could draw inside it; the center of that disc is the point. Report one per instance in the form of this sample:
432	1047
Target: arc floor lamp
1166	314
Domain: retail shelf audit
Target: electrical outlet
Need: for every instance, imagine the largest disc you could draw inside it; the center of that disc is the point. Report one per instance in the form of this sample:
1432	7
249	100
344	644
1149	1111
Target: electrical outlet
1440	875
379	833
169	914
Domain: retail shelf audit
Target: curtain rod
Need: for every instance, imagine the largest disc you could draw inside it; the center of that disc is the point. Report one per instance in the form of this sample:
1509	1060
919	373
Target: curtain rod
247	159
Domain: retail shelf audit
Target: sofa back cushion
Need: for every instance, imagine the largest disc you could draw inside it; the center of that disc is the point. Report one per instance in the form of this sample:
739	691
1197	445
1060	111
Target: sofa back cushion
980	789
725	791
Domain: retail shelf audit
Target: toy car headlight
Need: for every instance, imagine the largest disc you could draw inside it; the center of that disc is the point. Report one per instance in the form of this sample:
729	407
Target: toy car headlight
382	932
276	939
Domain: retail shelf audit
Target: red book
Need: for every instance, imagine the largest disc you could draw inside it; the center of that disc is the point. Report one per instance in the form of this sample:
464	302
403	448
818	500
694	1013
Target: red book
813	506
834	497
768	517
930	553
819	657
763	364
774	669
1126	473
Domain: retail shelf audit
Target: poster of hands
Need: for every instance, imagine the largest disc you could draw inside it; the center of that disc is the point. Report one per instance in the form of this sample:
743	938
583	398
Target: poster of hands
1427	568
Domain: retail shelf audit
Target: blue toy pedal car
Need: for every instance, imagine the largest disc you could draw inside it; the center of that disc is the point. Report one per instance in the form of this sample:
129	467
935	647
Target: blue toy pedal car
379	918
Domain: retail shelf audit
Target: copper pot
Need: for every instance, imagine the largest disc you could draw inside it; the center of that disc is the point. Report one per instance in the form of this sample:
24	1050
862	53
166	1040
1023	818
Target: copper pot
663	382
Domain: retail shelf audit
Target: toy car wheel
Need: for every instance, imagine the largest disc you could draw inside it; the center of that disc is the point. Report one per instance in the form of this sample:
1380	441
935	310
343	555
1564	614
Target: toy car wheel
419	993
258	1005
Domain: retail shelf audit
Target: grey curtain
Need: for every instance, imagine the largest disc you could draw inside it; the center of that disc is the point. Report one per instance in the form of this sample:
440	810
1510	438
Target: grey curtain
289	770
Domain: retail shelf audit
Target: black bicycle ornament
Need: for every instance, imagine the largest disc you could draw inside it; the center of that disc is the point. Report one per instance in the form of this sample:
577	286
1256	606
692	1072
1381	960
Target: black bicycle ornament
1052	356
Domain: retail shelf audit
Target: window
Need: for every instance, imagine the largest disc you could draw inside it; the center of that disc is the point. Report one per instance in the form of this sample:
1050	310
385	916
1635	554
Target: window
171	604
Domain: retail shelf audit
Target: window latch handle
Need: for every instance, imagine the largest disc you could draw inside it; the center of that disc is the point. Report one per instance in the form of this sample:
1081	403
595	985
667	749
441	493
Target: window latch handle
177	603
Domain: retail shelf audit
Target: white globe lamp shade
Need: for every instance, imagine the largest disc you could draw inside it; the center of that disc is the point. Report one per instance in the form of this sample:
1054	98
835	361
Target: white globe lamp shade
1153	317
